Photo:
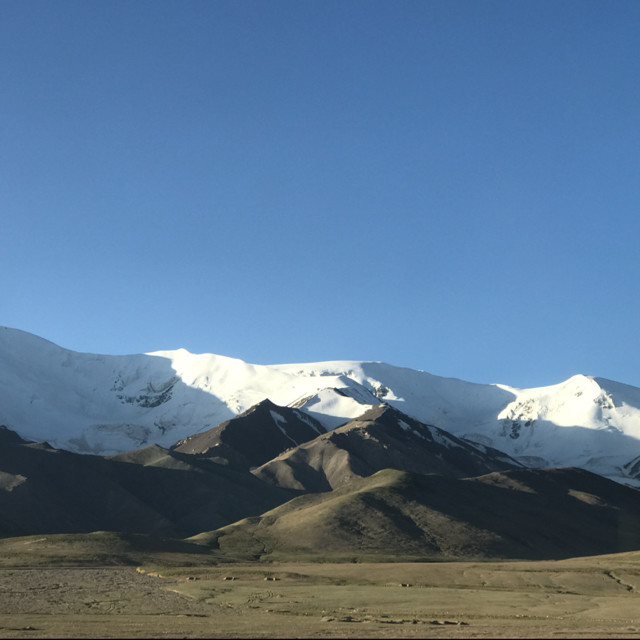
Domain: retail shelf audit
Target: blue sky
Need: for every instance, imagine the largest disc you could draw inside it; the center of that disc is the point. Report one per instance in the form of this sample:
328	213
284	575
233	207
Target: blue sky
450	186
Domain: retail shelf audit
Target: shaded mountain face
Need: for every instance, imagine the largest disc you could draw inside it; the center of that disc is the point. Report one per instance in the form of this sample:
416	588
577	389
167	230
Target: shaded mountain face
632	468
523	513
253	437
382	438
152	490
9	437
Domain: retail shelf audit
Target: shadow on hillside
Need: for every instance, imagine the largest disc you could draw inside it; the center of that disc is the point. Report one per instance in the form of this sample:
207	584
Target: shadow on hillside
536	514
540	514
146	402
56	491
598	450
431	389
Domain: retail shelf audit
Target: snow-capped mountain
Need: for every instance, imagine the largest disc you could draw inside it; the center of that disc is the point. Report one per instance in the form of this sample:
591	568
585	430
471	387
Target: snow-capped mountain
106	404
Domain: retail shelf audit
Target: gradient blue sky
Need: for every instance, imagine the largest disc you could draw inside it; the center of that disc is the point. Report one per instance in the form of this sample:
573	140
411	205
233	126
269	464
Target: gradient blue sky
448	185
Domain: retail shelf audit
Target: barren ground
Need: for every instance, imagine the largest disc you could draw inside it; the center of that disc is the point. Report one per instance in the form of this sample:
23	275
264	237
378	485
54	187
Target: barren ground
586	597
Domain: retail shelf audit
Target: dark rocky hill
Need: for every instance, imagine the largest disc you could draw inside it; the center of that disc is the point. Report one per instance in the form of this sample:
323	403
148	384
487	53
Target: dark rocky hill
380	439
152	490
524	513
253	437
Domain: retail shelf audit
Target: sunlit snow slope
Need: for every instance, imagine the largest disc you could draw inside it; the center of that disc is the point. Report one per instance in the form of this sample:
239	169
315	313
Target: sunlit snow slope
105	404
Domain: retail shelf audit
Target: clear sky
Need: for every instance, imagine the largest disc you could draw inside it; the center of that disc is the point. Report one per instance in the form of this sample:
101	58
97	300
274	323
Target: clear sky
446	185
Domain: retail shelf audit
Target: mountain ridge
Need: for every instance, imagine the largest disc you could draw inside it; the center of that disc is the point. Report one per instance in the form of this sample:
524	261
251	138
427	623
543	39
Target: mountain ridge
382	438
107	404
254	436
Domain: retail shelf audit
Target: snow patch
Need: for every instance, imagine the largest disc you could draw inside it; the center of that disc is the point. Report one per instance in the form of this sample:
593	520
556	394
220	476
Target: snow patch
281	423
308	421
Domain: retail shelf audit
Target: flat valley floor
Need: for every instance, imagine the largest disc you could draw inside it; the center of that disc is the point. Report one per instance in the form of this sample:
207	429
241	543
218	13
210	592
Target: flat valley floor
579	598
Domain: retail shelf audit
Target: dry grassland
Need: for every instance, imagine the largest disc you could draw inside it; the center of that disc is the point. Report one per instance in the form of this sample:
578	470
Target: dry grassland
579	598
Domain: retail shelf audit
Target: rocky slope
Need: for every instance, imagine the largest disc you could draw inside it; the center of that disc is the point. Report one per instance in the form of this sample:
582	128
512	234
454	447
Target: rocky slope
380	439
253	437
525	513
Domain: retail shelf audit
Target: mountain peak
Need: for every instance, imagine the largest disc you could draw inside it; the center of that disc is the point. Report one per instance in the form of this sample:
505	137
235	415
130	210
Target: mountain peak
381	438
254	436
262	406
378	411
108	404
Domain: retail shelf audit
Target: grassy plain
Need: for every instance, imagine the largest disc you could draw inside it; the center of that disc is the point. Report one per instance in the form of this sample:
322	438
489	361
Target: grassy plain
47	592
